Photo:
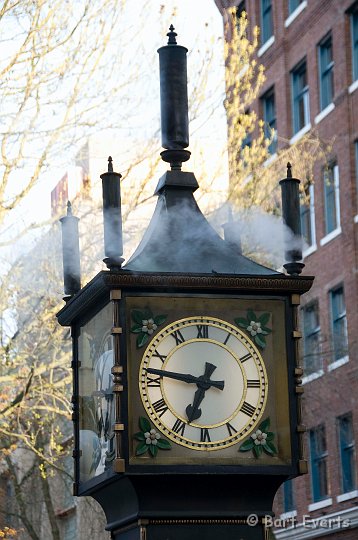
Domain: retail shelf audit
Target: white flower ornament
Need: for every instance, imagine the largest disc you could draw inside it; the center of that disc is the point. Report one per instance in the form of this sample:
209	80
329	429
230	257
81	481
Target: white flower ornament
254	328
259	437
148	326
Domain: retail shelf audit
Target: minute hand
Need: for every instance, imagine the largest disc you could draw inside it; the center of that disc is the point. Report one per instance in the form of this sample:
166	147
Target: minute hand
185	377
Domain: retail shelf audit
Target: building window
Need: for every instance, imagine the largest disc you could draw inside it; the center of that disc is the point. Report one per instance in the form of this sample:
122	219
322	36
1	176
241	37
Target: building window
308	216
318	450
354	34
325	65
239	9
347	453
300	97
269	115
339	324
293	5
331	198
311	336
266	20
288	498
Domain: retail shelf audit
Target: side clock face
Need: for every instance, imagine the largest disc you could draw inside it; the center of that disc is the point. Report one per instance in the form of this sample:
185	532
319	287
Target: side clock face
203	383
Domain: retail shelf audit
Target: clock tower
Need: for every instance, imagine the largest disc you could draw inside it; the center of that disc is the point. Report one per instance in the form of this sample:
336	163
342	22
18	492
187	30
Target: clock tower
186	375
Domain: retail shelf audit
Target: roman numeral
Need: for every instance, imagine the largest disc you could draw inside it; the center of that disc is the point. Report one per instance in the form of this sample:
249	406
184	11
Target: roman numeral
203	331
160	407
161	357
231	429
246	357
227	339
253	383
247	409
204	435
178	336
153	381
179	427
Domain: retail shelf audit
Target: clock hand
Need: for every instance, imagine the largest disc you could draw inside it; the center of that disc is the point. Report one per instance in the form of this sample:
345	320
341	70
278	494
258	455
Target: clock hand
203	383
185	377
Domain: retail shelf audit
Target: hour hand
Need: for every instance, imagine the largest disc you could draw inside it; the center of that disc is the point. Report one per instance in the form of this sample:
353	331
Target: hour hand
185	377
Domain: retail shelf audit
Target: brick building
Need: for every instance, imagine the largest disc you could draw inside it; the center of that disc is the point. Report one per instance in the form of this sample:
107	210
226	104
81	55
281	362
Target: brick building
310	52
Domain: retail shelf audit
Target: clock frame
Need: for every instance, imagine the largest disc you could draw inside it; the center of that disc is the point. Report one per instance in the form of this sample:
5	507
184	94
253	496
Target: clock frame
179	297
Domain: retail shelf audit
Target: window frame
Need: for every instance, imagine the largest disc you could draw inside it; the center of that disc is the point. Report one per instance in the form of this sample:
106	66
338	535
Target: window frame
336	198
318	464
326	73
341	316
299	95
353	15
309	210
289	504
266	20
311	334
349	448
270	122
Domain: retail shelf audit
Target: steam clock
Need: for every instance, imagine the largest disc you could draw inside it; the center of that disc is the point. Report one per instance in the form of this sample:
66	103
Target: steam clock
186	375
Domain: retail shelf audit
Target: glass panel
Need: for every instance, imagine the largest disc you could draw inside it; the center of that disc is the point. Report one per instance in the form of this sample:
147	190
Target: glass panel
96	395
311	332
269	113
266	20
300	95
326	72
330	200
288	499
354	27
319	463
292	5
339	324
347	453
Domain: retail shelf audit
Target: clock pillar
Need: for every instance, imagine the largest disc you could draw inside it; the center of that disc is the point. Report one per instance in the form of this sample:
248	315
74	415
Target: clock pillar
185	364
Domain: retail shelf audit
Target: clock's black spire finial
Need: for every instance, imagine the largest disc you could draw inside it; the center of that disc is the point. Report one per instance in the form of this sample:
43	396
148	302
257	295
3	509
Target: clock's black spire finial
172	36
291	216
70	253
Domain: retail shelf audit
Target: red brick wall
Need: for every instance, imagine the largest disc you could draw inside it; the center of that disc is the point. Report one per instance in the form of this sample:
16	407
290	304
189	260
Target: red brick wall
336	262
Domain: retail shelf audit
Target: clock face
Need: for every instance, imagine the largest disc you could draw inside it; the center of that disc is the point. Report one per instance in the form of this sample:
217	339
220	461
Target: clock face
203	383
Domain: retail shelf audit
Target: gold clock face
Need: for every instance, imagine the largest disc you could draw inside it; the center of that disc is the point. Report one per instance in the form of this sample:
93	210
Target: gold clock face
203	383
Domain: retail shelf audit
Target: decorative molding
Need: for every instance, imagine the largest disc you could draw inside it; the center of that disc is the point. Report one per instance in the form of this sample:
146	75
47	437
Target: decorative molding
99	288
266	46
338	363
347	496
297	136
312	376
320	504
324	113
295	13
353	87
330	236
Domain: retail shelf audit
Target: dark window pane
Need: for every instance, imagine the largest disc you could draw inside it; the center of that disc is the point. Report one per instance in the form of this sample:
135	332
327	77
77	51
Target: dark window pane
339	324
318	463
325	62
300	98
266	20
330	205
347	453
354	32
269	114
311	337
288	499
292	5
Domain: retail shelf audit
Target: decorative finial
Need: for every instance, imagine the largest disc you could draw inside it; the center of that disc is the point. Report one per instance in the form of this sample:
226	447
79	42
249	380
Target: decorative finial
110	164
289	170
69	208
172	35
